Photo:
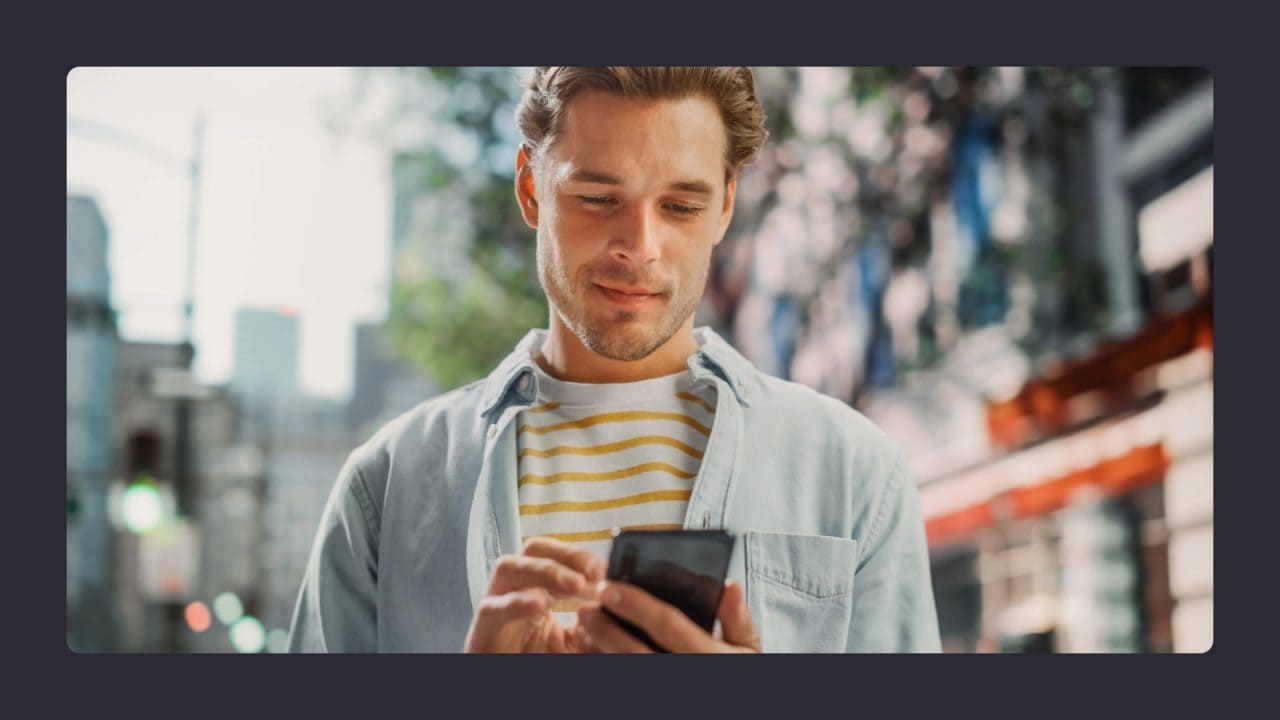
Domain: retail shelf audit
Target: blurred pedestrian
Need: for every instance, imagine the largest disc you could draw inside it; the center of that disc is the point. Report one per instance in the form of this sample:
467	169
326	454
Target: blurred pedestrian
479	520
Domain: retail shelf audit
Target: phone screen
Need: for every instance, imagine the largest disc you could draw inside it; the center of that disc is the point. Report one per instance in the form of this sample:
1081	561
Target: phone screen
685	568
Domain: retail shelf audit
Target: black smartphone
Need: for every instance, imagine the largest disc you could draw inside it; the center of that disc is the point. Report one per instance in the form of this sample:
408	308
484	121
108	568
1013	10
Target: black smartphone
685	568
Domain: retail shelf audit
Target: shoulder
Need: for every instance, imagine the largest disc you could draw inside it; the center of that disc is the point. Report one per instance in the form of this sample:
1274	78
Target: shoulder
816	411
831	422
428	429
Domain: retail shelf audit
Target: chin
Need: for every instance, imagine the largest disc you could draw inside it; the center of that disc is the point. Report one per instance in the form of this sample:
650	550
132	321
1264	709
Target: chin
625	341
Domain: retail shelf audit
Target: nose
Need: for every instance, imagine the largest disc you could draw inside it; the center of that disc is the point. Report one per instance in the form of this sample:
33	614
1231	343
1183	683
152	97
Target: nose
635	237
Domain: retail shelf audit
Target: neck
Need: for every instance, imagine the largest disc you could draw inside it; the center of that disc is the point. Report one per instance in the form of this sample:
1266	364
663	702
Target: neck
564	357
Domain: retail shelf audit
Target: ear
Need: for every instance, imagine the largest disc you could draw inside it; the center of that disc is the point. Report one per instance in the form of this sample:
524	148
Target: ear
526	198
726	216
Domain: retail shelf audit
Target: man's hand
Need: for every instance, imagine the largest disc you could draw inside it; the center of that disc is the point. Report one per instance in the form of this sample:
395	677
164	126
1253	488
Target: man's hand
664	623
515	615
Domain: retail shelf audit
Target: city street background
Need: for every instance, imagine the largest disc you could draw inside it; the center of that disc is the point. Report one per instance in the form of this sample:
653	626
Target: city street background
1009	270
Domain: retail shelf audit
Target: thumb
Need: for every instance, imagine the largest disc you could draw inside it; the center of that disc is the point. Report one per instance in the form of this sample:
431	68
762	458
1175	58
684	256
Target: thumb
735	619
497	613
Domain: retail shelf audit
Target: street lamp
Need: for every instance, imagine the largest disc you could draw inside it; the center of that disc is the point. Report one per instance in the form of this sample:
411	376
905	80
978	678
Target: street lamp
181	391
142	500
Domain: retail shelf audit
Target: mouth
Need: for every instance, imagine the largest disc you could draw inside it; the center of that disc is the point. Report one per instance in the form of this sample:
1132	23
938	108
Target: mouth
627	297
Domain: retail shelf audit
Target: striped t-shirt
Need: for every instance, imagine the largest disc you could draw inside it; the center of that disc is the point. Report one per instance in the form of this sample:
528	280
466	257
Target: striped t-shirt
598	457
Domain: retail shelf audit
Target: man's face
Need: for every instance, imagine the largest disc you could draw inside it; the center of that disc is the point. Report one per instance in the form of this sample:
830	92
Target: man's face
629	202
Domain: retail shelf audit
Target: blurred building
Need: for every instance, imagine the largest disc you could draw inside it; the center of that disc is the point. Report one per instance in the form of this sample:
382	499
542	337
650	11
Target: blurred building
1009	270
232	527
266	354
1087	524
1074	513
294	445
127	587
91	358
161	570
309	443
386	385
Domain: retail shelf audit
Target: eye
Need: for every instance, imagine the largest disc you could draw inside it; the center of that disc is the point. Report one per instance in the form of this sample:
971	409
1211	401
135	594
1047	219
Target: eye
690	210
598	200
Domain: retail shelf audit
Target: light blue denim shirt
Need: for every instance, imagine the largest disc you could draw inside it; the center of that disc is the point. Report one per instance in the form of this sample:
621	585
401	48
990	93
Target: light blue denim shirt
830	541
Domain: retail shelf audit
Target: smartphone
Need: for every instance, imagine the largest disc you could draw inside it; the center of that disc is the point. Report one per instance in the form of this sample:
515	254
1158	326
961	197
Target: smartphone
685	568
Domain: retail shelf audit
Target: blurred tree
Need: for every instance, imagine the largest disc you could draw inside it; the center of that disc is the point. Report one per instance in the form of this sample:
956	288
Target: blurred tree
976	178
458	326
859	164
464	288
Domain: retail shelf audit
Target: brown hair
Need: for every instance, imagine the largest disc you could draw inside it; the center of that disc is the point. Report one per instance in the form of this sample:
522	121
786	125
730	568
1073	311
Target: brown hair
732	89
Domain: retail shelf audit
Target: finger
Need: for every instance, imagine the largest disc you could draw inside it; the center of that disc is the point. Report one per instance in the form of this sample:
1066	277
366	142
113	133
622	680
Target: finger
735	619
495	612
582	640
518	572
605	635
665	623
584	561
559	639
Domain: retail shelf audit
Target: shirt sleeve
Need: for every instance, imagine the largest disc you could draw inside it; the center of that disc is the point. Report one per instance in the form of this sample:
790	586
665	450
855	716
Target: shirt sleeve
893	605
336	610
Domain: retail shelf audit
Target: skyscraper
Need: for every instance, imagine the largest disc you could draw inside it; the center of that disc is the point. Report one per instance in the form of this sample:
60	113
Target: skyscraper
91	342
266	354
386	385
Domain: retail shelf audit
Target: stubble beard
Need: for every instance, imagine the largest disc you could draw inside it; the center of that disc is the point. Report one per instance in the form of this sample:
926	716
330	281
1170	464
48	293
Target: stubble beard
613	333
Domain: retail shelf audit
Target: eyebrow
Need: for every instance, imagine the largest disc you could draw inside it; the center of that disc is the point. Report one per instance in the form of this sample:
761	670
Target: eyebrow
591	176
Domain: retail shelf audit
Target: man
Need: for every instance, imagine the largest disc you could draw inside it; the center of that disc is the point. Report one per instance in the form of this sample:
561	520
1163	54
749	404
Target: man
479	521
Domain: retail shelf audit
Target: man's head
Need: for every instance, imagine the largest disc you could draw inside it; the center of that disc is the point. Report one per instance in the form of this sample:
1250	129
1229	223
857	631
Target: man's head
629	176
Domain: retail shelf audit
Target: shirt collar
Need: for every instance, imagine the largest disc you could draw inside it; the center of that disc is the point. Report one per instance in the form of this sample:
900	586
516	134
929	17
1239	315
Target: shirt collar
719	357
514	375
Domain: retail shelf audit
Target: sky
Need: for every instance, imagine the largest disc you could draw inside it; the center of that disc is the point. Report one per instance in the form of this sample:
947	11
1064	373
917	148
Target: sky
290	215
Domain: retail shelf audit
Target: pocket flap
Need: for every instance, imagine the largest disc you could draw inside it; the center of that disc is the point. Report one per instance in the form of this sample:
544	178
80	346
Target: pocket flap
816	565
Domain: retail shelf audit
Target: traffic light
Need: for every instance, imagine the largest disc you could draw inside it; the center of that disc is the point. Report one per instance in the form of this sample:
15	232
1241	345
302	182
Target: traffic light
141	506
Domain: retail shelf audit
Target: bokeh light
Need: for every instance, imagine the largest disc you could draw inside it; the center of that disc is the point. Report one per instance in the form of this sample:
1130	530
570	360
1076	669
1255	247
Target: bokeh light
278	641
247	635
228	608
198	618
141	508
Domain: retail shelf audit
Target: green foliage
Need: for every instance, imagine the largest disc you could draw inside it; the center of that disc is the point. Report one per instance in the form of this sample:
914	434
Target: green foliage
457	328
458	316
457	331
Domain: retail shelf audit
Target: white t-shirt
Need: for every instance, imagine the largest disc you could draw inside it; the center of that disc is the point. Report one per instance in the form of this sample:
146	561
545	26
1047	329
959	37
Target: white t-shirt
595	458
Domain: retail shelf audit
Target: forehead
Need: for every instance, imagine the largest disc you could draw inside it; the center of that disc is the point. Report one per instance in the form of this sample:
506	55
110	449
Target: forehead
610	133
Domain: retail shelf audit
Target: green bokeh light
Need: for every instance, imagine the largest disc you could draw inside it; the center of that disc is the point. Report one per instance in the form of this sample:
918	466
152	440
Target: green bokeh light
141	507
278	641
248	635
227	608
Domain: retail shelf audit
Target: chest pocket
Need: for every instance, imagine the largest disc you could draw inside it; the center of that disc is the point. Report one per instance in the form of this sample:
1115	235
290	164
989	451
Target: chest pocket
800	590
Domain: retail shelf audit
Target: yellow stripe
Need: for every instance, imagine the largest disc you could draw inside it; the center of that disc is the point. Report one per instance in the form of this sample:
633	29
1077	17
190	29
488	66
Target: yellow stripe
695	399
544	408
603	534
648	497
611	447
616	417
531	479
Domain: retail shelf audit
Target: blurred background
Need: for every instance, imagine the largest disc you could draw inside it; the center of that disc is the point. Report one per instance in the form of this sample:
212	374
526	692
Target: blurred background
1009	270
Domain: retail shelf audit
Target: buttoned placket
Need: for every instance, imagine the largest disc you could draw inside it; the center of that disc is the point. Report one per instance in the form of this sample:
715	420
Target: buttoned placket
712	486
493	524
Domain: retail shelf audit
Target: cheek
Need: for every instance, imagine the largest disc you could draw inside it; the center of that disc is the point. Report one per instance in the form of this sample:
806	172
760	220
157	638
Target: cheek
696	265
558	252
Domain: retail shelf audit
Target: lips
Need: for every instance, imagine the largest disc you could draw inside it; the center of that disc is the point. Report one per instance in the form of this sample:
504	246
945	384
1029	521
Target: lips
628	290
627	297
